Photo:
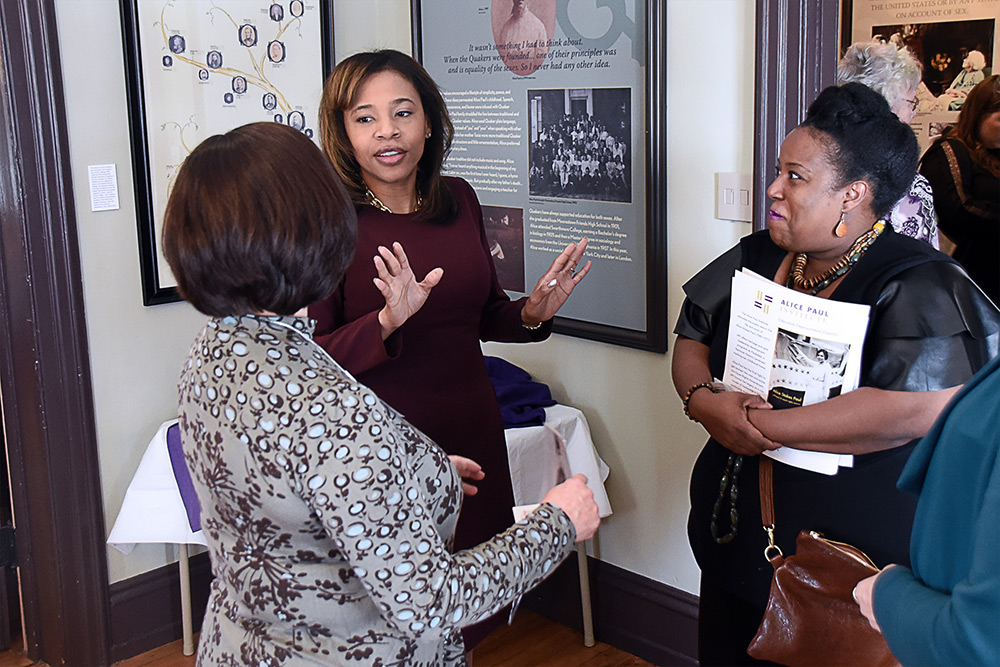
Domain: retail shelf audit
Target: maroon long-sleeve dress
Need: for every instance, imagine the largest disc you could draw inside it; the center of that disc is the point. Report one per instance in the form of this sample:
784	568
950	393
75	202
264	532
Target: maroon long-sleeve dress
431	369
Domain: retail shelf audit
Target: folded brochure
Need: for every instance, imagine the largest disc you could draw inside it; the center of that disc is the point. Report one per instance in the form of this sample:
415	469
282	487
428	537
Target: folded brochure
793	349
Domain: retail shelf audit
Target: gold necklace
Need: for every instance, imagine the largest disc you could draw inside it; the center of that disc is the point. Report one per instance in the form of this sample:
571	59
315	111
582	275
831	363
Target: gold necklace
372	200
817	284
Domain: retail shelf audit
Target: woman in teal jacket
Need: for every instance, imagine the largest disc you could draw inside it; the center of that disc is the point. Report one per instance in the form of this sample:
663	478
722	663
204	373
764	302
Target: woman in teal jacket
946	609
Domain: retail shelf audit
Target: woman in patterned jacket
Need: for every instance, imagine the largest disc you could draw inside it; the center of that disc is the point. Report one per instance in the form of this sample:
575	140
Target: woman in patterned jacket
328	517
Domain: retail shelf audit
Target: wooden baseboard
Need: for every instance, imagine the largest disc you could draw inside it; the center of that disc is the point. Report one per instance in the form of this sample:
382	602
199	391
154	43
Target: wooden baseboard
648	619
146	609
644	617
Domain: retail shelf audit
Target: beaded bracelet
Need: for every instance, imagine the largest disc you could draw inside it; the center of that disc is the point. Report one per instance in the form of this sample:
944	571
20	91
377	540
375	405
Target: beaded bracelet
690	392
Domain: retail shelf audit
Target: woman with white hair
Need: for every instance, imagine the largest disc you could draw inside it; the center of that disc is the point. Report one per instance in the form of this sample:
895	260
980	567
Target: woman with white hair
895	74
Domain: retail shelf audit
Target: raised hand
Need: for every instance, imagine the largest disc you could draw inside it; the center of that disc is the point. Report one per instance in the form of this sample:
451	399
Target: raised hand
403	294
555	286
467	469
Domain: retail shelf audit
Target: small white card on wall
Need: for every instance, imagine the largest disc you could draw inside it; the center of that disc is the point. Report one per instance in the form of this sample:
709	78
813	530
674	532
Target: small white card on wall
103	187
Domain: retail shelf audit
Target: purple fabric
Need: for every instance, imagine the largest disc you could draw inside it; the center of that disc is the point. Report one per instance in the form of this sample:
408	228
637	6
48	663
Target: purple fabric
522	400
183	477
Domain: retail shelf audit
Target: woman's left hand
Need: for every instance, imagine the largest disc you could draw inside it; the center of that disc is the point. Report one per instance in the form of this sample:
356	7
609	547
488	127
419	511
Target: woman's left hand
555	286
467	469
863	596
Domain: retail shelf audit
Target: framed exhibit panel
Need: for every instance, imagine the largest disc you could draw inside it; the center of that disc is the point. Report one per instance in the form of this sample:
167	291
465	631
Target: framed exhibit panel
560	126
196	68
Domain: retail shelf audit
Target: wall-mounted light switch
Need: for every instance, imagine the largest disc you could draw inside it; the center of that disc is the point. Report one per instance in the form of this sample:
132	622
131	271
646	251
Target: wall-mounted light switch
733	195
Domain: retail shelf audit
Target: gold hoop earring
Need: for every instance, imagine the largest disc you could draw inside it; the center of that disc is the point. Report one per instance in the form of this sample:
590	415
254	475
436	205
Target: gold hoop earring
841	229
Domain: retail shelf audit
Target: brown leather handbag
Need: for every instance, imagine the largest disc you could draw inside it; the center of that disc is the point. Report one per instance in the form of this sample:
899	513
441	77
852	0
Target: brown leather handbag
811	616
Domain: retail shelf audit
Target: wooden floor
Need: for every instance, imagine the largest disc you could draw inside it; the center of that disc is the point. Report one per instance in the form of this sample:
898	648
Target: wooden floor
531	641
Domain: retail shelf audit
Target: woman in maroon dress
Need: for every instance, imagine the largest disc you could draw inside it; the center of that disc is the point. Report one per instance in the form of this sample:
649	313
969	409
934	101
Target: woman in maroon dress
415	342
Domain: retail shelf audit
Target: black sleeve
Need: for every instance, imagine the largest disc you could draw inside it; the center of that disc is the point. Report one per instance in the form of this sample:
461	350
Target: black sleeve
707	296
932	329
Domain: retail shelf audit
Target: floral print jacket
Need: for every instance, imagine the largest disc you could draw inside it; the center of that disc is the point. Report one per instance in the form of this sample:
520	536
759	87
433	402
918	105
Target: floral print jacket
328	517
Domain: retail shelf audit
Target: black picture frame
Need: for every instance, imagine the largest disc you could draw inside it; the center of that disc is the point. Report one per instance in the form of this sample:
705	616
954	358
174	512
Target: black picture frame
654	337
153	292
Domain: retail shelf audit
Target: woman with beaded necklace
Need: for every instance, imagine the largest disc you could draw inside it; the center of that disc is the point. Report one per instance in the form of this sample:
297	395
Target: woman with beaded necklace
416	342
930	330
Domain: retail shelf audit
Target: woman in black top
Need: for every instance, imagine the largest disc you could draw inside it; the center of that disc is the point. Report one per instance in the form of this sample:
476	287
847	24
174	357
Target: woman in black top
930	330
963	167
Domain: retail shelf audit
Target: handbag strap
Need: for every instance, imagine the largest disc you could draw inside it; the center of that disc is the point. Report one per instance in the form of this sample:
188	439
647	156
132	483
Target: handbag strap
772	552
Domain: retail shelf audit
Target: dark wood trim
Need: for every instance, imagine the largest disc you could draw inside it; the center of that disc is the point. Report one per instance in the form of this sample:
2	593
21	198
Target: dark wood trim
48	414
146	609
797	51
654	621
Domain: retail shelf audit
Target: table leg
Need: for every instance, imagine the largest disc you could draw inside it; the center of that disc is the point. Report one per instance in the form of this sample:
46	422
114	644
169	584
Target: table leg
588	616
185	575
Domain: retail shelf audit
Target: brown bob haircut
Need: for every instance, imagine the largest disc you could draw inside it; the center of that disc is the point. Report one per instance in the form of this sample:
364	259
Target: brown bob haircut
258	221
340	92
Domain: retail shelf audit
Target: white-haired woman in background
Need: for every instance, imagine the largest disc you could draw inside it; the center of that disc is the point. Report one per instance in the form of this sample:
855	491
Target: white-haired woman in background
895	74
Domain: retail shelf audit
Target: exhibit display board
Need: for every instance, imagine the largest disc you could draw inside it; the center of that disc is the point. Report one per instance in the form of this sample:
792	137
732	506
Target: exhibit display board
954	40
196	68
559	124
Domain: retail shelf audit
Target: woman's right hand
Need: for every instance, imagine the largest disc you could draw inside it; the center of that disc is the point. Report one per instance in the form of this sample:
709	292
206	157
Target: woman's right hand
577	501
724	416
403	294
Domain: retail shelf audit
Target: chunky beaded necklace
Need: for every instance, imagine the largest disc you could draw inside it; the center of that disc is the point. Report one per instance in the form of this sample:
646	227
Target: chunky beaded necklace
730	482
372	200
816	284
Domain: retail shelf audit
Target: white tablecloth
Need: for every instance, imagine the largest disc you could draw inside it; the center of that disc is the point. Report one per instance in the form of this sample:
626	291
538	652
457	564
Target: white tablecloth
153	511
540	457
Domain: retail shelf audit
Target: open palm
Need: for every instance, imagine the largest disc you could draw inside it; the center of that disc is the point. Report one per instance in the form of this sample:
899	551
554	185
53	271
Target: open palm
403	294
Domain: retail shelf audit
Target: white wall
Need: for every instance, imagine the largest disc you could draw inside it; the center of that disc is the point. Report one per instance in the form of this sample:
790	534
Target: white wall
634	414
135	352
363	25
633	411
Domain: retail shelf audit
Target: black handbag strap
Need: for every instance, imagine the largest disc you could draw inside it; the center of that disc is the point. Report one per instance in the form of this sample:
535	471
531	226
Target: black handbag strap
772	552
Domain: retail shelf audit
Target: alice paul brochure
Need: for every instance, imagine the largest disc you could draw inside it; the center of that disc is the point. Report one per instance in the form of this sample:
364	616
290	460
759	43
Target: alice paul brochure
793	349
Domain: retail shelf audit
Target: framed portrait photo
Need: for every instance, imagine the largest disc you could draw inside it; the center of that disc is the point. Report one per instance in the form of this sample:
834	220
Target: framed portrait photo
197	68
560	126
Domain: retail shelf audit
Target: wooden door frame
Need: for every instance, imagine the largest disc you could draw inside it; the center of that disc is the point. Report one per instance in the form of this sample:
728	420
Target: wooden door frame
797	51
45	383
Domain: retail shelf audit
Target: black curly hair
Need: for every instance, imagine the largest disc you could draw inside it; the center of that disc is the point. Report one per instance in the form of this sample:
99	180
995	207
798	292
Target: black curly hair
866	142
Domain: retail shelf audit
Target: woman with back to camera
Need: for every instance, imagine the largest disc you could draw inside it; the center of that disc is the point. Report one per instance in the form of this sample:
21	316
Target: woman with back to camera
894	73
963	166
327	515
416	341
944	608
930	330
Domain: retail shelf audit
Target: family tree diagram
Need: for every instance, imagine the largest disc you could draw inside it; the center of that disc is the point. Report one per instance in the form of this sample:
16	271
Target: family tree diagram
211	65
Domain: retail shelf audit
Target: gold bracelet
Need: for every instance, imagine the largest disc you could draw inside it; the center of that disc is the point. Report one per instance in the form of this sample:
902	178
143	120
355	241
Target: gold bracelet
690	392
533	327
